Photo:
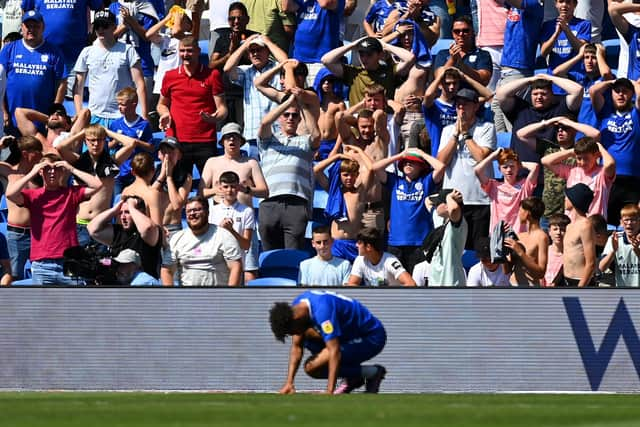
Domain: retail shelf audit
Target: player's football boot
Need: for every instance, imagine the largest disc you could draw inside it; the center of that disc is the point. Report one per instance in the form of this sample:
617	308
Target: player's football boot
347	385
372	385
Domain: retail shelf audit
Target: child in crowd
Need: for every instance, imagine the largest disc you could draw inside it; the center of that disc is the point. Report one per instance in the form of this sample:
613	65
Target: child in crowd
579	256
166	35
557	228
409	221
134	126
599	178
446	263
373	266
564	139
346	201
328	88
236	218
561	37
528	257
506	197
623	249
486	273
324	269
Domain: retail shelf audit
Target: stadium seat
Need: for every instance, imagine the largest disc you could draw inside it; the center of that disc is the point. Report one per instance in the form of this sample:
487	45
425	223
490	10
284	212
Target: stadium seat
612	51
272	281
281	263
320	198
504	139
27	270
4	210
24	282
469	259
441	44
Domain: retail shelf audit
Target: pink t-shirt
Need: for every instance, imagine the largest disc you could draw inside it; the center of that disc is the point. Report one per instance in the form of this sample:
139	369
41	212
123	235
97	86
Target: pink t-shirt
597	181
492	20
505	201
554	264
53	220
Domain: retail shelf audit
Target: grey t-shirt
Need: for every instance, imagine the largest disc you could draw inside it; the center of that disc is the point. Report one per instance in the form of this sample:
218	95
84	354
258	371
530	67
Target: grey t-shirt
108	71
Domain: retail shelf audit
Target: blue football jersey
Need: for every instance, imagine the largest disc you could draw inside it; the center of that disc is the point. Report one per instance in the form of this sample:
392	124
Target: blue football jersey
337	316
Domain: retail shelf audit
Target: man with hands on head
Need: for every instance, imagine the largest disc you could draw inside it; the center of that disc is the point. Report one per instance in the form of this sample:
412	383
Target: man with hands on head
53	210
258	48
544	105
371	51
135	231
287	163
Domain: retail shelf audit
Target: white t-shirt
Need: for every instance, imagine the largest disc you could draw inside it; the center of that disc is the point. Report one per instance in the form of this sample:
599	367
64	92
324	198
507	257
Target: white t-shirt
459	172
218	13
481	276
626	261
421	272
242	215
169	59
318	272
202	260
386	272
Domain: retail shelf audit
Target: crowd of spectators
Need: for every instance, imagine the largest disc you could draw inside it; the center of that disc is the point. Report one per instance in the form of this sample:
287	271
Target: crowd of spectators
433	135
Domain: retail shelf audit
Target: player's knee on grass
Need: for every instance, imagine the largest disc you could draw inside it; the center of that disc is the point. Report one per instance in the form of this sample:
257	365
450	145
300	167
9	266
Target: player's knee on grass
313	368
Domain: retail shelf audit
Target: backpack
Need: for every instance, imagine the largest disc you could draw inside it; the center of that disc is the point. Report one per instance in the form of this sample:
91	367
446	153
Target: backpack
432	241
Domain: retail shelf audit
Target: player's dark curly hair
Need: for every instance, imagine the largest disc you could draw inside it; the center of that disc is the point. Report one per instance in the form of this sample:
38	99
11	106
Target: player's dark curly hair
281	317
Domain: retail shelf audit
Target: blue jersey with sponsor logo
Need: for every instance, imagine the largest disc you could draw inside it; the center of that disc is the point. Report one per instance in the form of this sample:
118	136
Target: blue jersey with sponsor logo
318	30
337	316
620	135
65	23
32	75
140	129
407	207
562	50
521	35
436	118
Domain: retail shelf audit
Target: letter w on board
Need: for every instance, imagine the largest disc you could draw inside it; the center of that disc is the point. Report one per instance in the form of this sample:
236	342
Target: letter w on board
596	361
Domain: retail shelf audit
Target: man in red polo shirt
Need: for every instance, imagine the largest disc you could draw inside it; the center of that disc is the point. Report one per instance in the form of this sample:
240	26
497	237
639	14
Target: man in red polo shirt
191	104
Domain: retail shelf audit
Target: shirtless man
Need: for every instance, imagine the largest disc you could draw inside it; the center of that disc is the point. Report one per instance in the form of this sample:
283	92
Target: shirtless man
528	259
174	188
58	124
330	104
96	161
374	100
579	257
18	222
252	182
409	94
345	214
373	139
143	170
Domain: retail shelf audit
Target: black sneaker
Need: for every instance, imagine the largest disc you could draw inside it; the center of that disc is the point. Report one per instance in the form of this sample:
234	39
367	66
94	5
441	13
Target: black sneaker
372	385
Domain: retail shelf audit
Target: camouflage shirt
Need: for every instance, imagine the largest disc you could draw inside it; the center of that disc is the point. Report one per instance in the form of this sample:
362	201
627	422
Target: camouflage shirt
553	192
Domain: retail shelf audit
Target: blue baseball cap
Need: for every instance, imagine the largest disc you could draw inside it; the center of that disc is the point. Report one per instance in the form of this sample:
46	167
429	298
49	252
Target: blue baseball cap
32	15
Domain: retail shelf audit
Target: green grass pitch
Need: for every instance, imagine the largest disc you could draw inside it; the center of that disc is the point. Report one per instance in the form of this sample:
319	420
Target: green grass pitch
358	410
